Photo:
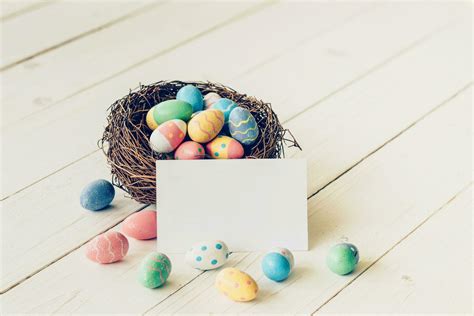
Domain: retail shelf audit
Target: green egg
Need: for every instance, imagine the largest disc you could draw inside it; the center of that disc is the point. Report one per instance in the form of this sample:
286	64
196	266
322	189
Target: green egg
172	109
342	258
154	270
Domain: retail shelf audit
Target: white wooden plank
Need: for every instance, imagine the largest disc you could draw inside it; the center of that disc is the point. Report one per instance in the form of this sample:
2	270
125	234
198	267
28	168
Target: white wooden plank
38	31
13	8
429	272
91	298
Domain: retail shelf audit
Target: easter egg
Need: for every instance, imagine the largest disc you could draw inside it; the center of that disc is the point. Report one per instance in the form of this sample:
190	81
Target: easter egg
236	285
276	267
206	125
342	258
224	147
210	99
285	253
150	119
189	150
226	106
168	136
97	195
207	255
154	270
172	110
108	247
191	95
140	225
242	126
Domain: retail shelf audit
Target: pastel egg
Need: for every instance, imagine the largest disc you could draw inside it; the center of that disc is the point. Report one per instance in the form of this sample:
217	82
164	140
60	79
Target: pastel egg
154	270
276	267
224	147
191	95
140	225
206	125
210	99
189	150
172	110
342	258
108	247
236	285
168	136
285	253
97	195
150	119
242	126
207	255
226	106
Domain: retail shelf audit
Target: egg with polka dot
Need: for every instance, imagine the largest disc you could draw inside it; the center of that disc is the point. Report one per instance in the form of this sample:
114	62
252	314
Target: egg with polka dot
236	285
168	136
189	151
207	255
224	147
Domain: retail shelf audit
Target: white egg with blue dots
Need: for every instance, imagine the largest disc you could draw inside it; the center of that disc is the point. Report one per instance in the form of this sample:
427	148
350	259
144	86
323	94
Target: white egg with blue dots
207	255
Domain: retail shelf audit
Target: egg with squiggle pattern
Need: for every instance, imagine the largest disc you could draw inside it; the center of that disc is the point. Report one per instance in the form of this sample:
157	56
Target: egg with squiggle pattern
242	126
207	255
108	247
168	136
206	125
154	270
224	147
226	106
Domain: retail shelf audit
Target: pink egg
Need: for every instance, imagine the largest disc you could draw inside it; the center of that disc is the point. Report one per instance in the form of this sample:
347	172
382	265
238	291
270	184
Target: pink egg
210	99
166	137
189	150
141	225
108	247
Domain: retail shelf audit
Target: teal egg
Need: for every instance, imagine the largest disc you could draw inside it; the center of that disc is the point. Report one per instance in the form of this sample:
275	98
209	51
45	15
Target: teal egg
154	270
342	258
225	106
242	126
191	95
276	267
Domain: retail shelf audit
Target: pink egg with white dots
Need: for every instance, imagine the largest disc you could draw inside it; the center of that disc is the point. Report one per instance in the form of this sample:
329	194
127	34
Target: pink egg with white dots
108	247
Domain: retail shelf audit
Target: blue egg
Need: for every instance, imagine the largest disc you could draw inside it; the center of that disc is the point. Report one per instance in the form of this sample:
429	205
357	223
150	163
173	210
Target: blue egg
226	106
191	95
242	126
276	267
97	195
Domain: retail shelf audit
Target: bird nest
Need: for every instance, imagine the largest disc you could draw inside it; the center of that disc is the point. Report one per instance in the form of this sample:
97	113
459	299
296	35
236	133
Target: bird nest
125	141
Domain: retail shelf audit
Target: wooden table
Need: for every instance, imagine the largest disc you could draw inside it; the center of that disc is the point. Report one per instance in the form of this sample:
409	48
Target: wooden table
379	95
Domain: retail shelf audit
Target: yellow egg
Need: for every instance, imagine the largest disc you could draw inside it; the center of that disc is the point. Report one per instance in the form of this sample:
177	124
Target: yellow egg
206	125
150	120
236	285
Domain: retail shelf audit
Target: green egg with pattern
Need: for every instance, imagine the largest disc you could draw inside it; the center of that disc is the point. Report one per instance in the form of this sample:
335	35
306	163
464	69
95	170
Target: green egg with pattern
154	270
172	110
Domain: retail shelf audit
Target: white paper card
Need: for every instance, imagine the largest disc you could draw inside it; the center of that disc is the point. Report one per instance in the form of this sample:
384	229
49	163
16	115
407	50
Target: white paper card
251	204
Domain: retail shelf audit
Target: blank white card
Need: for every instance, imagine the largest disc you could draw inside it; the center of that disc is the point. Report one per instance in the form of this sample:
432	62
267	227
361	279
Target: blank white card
250	204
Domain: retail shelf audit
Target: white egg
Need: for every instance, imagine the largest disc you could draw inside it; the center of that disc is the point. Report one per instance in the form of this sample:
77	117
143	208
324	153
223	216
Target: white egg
207	255
285	253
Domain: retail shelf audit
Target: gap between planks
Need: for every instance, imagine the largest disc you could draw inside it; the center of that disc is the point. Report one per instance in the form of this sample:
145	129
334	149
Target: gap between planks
29	8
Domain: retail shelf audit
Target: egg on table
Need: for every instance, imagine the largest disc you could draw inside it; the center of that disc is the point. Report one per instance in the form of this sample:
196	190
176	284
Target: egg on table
150	119
168	136
342	258
210	99
154	270
224	147
242	126
189	150
108	247
171	110
207	255
236	285
206	125
191	95
277	264
97	195
140	225
226	106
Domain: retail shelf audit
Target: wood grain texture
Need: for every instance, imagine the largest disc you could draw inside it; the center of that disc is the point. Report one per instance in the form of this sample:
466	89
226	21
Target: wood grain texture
10	9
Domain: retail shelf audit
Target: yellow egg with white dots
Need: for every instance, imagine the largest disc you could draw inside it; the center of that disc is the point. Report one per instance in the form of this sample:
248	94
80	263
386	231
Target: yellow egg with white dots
236	285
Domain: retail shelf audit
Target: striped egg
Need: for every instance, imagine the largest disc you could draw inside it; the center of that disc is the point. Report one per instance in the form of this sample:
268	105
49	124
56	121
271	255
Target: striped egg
189	150
226	106
108	247
242	126
224	147
154	270
191	95
206	125
236	285
210	99
168	136
150	119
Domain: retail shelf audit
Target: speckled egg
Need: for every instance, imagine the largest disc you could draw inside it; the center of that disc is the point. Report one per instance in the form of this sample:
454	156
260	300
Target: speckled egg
236	285
108	247
226	106
206	125
342	258
207	255
171	110
97	195
154	270
276	267
210	99
225	147
150	119
242	126
168	136
140	225
191	95
189	150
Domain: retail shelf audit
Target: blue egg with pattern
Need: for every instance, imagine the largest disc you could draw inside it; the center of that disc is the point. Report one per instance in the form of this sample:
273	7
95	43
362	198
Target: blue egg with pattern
191	95
276	267
97	195
225	106
242	126
207	255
